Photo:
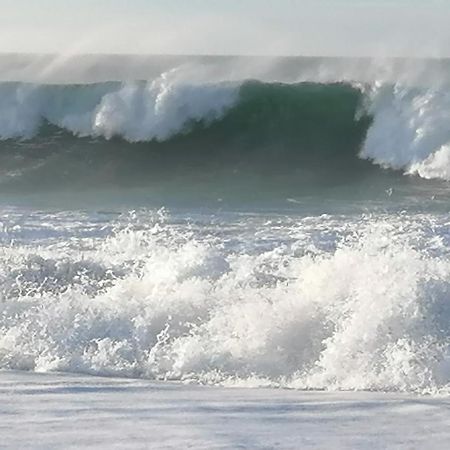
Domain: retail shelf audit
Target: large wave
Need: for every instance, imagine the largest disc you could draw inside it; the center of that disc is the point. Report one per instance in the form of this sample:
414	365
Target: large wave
301	125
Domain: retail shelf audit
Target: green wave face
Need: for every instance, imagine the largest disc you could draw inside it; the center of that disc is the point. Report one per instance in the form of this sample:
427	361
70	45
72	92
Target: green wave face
276	141
304	124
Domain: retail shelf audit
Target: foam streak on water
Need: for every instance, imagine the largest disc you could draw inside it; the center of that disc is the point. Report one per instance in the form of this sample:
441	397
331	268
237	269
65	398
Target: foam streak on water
330	302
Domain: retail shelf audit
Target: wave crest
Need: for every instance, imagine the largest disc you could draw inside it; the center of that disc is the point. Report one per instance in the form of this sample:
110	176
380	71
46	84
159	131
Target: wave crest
398	127
136	111
410	129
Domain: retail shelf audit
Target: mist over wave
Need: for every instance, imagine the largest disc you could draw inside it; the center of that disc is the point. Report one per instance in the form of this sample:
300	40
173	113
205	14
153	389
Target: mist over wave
400	125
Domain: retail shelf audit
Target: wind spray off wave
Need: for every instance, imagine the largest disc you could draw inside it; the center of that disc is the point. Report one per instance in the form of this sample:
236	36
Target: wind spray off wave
396	126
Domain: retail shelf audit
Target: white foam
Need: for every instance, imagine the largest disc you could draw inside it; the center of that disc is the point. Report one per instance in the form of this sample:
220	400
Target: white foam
136	111
410	130
160	109
366	309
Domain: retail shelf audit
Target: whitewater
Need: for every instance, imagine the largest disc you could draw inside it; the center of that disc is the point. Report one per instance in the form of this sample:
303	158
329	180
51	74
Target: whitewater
224	252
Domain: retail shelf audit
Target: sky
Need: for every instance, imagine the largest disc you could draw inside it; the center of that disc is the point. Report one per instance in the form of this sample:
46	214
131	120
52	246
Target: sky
256	27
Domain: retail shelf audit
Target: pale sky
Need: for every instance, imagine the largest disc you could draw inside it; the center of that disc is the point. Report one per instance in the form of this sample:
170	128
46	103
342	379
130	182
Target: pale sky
277	27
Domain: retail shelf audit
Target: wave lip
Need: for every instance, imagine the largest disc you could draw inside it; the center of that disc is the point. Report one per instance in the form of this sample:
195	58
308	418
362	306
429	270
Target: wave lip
410	129
138	111
395	126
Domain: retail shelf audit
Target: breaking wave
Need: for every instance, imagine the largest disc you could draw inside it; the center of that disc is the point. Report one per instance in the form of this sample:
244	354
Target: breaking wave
317	303
298	125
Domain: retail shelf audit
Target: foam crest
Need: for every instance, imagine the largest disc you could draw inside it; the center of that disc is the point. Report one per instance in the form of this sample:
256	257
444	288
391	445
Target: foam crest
410	129
135	111
367	309
159	110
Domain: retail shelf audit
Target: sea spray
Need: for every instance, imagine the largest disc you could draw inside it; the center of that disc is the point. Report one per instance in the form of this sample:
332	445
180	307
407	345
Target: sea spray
333	302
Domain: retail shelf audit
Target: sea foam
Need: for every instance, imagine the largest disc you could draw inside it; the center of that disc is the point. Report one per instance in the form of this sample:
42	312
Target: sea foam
315	303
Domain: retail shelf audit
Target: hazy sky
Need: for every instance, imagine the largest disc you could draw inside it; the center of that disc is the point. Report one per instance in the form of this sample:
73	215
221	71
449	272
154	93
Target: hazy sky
312	27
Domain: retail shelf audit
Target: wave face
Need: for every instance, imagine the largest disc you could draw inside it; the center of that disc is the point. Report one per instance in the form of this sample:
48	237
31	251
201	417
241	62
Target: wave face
152	131
394	126
160	110
326	302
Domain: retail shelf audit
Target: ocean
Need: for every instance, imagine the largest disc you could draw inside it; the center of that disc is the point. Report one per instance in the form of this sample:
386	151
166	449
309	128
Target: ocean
227	230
